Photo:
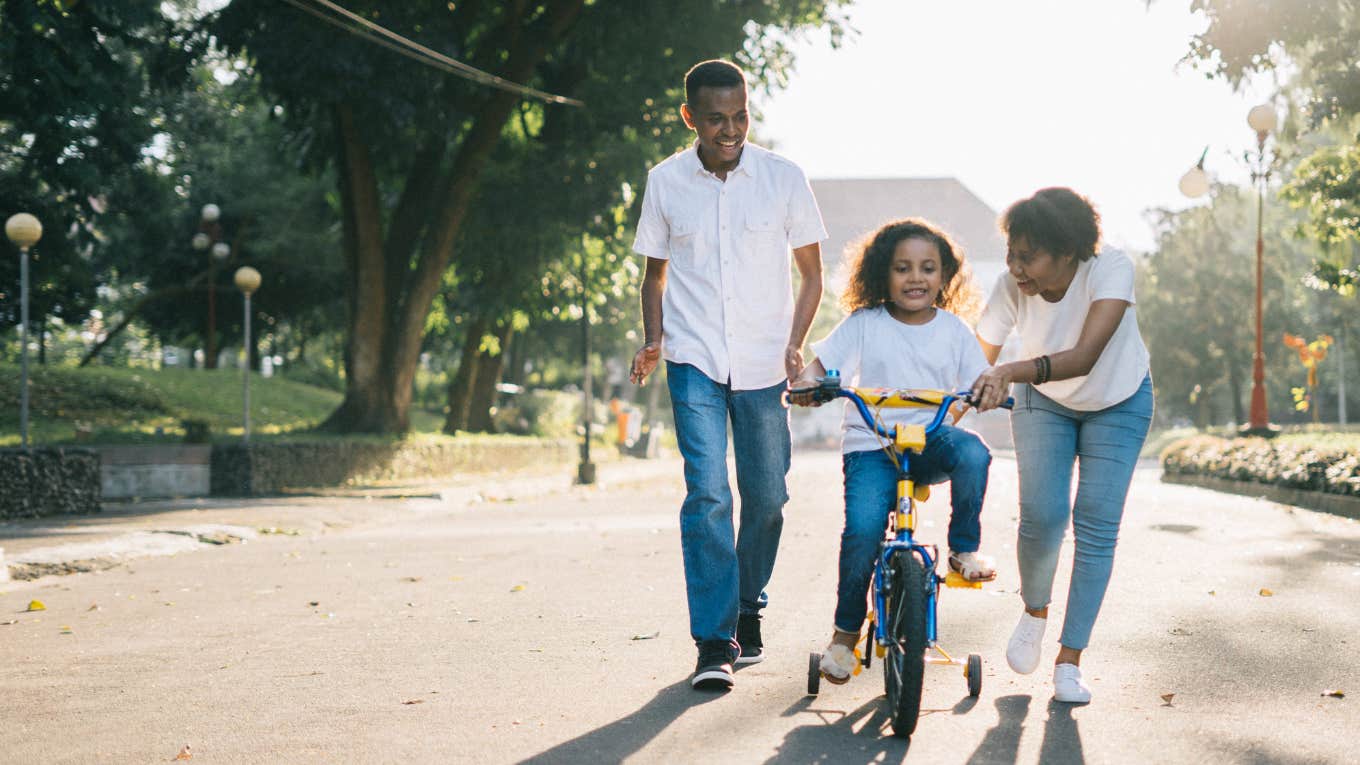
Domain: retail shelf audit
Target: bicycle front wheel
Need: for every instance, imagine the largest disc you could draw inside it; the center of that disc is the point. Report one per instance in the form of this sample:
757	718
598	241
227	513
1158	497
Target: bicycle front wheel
905	623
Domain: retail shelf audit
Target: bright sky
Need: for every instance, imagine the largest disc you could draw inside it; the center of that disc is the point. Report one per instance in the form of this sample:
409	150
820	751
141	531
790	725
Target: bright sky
1010	96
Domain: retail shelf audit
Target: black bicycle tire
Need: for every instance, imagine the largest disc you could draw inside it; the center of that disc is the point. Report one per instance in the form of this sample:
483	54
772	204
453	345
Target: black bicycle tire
905	628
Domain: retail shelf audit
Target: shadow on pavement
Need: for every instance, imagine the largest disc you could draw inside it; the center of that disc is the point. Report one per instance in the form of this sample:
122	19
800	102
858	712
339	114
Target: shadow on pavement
1062	741
624	737
838	741
1002	742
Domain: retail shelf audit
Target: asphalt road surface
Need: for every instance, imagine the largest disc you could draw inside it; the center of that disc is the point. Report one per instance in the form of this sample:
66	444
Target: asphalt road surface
531	621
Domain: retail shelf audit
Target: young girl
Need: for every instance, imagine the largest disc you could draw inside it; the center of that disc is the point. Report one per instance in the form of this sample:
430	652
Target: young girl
901	333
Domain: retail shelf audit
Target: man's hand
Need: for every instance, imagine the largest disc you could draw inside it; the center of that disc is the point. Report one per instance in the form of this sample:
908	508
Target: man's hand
793	362
644	363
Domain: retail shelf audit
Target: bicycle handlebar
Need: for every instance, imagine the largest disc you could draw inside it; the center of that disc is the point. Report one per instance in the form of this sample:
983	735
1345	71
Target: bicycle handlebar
829	388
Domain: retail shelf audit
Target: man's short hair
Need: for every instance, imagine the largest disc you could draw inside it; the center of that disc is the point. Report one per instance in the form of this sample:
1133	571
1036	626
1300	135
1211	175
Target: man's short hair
712	74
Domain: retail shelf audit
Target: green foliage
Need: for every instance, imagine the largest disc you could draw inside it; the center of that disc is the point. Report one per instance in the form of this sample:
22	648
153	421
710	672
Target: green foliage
547	413
79	86
110	404
1196	308
1321	39
1302	461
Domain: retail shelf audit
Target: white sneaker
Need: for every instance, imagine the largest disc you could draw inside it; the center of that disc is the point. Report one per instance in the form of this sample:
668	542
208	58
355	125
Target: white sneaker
1068	685
1022	653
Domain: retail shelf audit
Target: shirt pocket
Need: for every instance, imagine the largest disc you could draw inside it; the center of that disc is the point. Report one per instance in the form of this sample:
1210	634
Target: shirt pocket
684	240
763	228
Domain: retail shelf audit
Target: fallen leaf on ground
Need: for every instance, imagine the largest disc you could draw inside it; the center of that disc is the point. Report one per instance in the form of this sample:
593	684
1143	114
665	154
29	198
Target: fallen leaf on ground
648	637
517	588
1265	593
93	607
184	754
277	530
66	630
1335	694
1167	697
414	701
36	605
11	621
1213	592
410	579
313	602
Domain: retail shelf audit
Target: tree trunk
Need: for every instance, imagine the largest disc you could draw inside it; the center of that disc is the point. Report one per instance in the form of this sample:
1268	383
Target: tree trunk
387	321
460	387
367	389
489	367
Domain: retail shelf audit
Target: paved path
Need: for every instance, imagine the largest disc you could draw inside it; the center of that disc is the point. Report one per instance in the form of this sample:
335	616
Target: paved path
443	628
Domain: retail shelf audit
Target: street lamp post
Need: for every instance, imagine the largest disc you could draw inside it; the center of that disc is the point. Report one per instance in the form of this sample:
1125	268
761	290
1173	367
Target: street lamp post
585	472
247	280
210	235
25	231
1262	120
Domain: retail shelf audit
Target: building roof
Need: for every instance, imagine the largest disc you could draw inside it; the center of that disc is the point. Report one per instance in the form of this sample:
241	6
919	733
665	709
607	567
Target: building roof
855	207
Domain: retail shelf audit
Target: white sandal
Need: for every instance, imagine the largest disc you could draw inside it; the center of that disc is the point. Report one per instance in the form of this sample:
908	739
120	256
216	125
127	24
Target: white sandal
839	663
974	567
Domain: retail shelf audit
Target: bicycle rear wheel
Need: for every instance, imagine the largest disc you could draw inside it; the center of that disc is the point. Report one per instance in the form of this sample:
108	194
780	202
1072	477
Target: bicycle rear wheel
905	622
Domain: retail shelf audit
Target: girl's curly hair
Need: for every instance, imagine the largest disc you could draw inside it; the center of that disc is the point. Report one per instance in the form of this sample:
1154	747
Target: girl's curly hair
870	261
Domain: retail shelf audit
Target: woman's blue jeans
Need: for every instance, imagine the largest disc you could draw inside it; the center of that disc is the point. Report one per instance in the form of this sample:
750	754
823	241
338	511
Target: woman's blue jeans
1104	444
726	573
951	454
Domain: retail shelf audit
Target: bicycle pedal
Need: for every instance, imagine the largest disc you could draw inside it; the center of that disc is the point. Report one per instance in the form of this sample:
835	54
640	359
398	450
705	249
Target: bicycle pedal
955	579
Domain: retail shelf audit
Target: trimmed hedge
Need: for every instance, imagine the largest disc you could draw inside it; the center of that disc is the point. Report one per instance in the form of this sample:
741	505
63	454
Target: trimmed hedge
1332	469
272	467
48	481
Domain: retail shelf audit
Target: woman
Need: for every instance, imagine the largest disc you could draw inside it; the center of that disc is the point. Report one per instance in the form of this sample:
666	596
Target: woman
1083	395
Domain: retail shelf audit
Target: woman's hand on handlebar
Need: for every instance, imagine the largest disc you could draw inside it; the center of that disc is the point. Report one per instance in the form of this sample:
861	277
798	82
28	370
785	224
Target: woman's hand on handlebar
991	388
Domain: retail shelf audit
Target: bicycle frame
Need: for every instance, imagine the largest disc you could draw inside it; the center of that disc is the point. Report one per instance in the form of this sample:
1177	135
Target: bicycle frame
904	440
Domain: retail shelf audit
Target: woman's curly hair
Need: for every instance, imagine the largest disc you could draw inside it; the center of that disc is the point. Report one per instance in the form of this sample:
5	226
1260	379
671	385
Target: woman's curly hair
1056	219
870	261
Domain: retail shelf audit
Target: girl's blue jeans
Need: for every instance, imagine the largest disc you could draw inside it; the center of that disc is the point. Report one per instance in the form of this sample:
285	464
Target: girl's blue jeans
726	572
951	454
1104	444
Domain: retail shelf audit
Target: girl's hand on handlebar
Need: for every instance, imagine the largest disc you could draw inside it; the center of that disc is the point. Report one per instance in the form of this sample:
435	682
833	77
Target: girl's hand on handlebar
802	393
991	388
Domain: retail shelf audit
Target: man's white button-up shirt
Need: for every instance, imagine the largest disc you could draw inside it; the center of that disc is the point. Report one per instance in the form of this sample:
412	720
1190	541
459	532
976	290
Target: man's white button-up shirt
728	304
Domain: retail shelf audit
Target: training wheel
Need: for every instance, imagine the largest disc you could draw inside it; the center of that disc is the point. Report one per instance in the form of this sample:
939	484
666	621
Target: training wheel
973	671
814	673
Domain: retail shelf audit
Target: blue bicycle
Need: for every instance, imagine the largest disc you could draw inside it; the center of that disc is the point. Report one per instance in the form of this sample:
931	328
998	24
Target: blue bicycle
902	624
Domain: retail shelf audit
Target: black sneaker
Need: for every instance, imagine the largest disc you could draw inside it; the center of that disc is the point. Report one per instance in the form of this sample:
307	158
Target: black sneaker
748	637
714	670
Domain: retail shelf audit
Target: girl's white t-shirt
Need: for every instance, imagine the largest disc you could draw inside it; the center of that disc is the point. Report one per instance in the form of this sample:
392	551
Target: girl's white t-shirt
1048	328
871	349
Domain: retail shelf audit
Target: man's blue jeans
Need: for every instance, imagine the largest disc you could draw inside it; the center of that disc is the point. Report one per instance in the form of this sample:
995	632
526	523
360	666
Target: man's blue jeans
723	574
1105	444
952	454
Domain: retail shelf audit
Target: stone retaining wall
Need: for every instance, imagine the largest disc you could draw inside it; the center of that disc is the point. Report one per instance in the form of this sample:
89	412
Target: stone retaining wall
269	468
48	481
1337	504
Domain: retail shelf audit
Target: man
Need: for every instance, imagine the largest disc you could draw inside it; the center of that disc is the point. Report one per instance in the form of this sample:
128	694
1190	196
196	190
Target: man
718	220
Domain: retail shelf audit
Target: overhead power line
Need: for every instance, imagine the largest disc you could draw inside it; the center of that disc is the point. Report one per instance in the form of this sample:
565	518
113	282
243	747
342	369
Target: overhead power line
380	35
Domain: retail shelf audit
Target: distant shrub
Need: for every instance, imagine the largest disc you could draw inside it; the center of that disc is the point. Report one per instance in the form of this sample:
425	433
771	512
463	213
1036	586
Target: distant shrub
545	413
1333	468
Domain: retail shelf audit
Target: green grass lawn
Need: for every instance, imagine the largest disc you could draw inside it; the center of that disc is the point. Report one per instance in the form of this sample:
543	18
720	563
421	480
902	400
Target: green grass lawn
117	405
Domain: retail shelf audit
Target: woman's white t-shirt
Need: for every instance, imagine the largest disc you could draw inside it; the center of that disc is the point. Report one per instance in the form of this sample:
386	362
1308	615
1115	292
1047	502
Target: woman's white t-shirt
871	349
1048	328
